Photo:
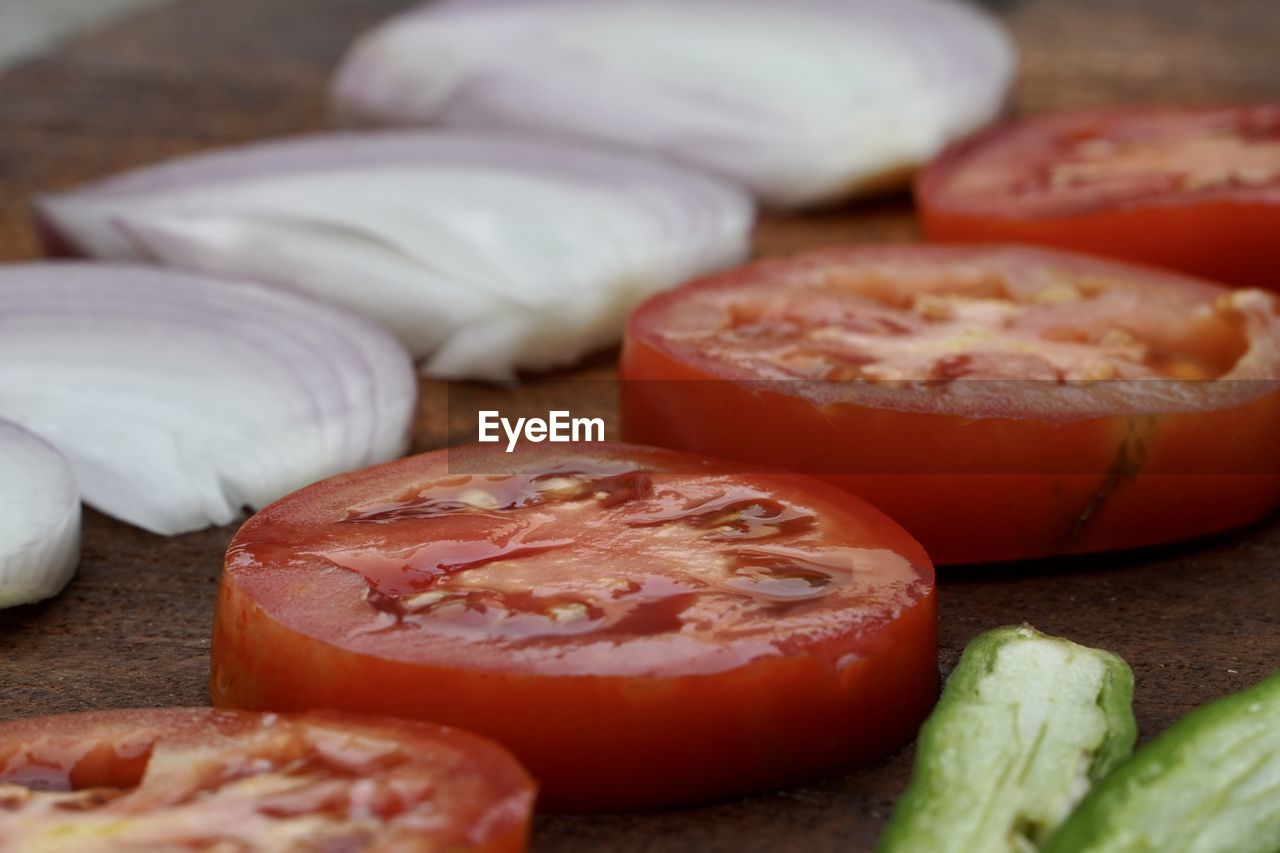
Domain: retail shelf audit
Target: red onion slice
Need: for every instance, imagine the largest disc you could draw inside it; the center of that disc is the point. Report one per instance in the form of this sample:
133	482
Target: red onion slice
39	518
802	102
483	253
181	399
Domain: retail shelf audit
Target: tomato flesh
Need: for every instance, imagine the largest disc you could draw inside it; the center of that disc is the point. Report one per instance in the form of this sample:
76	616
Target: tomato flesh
1197	190
641	628
177	779
1001	403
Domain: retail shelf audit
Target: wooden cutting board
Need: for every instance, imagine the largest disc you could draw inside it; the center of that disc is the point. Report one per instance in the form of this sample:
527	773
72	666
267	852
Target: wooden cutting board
1195	620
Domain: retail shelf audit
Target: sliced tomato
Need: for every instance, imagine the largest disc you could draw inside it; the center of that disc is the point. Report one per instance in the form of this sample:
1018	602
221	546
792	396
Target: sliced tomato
1000	403
641	628
200	779
1197	190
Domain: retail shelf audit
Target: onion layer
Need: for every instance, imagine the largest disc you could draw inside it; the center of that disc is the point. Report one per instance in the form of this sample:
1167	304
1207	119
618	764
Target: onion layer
484	254
39	518
803	102
181	399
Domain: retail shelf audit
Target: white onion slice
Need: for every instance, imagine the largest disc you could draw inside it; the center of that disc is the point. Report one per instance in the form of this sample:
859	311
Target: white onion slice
484	254
39	518
802	101
181	399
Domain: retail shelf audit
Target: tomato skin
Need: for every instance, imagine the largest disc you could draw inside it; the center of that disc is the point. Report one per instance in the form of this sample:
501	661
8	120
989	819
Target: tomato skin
609	742
429	787
965	517
971	489
1233	243
1226	236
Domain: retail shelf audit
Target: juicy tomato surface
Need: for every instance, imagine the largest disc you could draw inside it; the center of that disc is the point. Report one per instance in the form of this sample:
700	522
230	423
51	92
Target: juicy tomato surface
1114	406
200	779
641	628
1197	190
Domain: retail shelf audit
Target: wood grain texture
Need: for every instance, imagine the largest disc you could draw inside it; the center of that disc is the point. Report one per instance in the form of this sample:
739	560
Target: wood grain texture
1196	620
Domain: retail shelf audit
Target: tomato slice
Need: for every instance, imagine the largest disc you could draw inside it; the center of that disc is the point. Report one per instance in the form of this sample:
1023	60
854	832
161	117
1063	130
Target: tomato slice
200	779
641	628
1000	403
1197	190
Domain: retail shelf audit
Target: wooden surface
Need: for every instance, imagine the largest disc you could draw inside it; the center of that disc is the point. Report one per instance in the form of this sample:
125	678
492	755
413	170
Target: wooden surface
1195	621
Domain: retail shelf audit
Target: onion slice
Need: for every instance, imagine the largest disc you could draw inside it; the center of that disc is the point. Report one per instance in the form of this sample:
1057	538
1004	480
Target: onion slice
181	399
484	254
803	102
39	518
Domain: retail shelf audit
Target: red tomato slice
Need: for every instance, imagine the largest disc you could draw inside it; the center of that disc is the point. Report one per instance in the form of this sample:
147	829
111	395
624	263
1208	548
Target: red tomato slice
196	778
1197	190
641	628
1120	406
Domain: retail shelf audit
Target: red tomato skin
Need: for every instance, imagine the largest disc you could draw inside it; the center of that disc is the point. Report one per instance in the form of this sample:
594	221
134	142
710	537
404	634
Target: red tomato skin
959	516
608	743
1230	242
1216	236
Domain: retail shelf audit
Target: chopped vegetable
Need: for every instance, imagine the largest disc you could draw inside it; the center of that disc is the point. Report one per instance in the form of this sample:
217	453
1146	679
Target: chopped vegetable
1026	724
483	253
1208	784
177	779
805	101
181	399
1194	189
39	517
1000	402
641	628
